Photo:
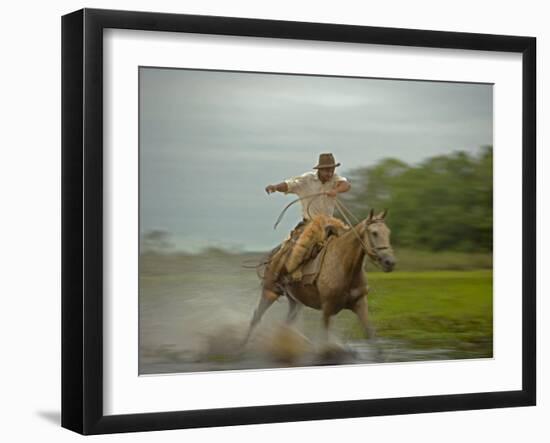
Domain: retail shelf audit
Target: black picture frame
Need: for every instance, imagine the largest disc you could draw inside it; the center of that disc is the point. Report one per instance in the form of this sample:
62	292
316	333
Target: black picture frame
82	220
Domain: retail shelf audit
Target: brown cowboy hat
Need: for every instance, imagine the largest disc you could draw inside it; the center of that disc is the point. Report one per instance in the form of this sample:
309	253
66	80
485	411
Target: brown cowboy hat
326	161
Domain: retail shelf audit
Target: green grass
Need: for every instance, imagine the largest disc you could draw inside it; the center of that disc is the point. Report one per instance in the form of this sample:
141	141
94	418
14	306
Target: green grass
445	309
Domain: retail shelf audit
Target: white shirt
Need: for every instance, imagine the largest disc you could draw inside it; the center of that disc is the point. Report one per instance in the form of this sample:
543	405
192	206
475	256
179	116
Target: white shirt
309	184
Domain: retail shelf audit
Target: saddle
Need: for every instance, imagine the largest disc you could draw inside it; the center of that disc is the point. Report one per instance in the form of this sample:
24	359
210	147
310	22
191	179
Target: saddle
311	268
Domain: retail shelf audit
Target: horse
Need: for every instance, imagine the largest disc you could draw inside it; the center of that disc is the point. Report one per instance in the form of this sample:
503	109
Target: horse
341	282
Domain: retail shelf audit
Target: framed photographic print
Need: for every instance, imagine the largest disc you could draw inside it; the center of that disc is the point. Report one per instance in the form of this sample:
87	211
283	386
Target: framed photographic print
397	167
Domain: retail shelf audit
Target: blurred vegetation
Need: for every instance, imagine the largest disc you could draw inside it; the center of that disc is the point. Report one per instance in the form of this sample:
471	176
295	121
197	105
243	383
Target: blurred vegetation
443	204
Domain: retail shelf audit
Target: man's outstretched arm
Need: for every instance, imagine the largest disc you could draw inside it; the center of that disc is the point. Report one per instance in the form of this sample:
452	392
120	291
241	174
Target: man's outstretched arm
281	187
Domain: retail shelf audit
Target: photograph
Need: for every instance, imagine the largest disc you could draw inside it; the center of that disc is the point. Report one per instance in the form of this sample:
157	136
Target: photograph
303	218
293	221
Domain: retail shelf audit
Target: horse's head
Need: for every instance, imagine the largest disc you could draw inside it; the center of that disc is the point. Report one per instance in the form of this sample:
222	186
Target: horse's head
377	238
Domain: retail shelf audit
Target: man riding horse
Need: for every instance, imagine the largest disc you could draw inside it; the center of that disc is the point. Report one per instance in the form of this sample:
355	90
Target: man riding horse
339	281
317	191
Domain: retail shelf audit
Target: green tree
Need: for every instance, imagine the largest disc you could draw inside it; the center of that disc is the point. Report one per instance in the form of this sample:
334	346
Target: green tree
444	203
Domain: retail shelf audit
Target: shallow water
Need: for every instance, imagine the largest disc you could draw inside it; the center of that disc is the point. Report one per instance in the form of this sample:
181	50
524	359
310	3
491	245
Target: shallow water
356	352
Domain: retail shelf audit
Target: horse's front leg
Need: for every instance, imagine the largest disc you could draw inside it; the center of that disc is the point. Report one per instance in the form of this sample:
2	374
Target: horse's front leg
327	312
361	309
332	352
326	327
293	309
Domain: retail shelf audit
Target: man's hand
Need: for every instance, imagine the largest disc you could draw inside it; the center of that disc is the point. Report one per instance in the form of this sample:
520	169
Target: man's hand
341	186
281	187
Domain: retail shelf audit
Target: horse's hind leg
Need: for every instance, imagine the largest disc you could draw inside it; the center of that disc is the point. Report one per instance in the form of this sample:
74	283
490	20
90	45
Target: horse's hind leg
266	300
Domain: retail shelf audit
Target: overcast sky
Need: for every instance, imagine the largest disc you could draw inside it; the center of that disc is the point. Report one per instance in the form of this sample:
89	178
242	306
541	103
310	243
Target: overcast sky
211	141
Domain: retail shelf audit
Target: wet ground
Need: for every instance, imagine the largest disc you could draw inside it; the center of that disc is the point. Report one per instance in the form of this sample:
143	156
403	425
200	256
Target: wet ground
195	311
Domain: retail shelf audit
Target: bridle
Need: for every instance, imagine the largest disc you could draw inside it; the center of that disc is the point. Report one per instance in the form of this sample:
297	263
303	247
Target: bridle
368	246
374	250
